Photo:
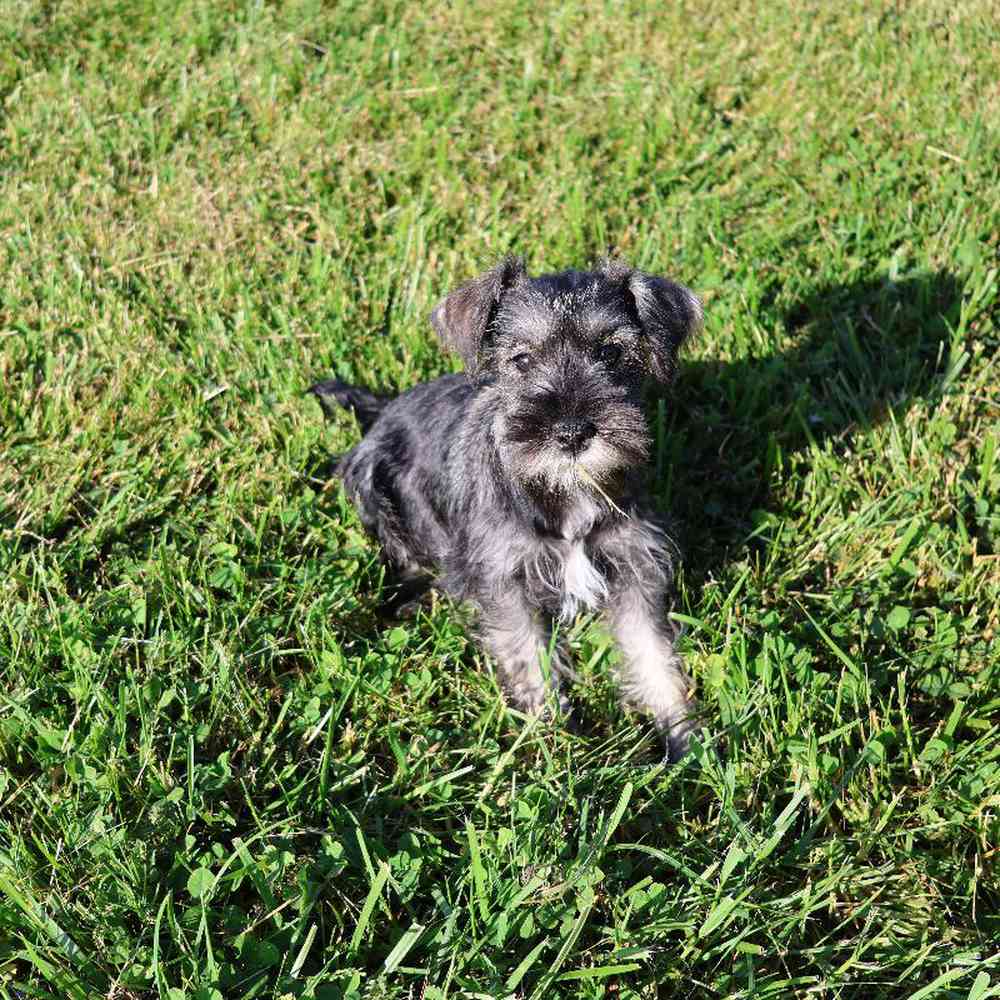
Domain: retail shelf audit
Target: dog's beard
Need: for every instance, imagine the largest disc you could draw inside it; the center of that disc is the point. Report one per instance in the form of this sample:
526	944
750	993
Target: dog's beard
534	456
597	467
553	467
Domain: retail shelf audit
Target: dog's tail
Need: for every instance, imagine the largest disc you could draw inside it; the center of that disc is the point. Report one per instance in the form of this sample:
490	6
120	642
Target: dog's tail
366	405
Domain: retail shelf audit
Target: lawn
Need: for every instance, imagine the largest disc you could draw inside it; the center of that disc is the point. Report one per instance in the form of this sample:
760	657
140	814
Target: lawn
222	773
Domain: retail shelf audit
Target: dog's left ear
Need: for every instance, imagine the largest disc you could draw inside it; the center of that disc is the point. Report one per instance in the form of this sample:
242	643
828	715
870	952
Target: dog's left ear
669	313
464	317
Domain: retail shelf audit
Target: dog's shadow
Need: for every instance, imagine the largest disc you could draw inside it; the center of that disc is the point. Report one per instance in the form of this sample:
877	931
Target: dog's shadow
861	351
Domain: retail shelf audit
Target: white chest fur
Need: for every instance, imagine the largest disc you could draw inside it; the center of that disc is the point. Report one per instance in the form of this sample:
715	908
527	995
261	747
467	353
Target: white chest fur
560	569
583	586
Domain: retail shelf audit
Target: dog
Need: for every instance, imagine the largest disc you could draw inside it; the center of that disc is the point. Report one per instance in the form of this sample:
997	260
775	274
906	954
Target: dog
516	485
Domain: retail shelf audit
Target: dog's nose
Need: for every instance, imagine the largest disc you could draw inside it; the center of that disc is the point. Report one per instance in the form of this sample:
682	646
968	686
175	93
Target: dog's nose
573	433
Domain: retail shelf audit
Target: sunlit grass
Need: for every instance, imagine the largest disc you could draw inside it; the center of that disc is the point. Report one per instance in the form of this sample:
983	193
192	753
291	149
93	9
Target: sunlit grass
222	774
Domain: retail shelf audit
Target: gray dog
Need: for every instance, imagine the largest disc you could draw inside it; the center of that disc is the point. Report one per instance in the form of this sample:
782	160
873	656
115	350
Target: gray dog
516	485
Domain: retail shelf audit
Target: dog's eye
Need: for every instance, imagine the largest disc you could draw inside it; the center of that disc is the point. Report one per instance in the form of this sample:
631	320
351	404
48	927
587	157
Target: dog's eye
609	354
522	362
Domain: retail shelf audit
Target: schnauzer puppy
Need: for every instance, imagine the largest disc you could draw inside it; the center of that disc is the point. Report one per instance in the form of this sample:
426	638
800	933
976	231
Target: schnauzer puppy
516	485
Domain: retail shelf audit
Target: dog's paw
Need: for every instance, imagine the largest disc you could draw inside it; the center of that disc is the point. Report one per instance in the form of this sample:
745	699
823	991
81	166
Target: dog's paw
542	703
561	709
404	598
677	733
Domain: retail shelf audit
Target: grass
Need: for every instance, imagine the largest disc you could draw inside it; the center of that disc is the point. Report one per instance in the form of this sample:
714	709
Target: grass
221	775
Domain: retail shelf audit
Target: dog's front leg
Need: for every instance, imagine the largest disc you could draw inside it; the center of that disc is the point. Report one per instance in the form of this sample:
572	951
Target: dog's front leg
520	642
653	673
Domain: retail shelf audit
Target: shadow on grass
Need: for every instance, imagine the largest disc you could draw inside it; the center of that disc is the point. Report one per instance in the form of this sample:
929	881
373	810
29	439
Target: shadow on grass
864	350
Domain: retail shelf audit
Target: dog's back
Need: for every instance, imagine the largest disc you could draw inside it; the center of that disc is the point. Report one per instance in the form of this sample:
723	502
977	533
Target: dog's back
392	473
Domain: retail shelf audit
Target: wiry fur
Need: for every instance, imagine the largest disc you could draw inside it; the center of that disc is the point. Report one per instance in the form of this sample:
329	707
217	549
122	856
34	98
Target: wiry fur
515	486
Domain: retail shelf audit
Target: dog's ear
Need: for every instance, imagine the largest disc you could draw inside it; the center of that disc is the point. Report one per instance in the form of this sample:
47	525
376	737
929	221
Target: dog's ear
464	317
669	313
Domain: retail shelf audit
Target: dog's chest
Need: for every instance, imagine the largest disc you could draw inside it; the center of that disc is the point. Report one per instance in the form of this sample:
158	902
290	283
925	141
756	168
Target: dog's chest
583	584
564	568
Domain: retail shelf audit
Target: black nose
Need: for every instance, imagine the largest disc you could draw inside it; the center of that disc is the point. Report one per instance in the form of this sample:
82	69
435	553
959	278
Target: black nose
573	433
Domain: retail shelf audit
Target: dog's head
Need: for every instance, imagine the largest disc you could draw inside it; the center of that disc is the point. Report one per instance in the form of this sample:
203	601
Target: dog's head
566	355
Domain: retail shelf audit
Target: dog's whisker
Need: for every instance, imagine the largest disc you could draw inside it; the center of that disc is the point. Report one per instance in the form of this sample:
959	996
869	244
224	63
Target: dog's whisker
589	479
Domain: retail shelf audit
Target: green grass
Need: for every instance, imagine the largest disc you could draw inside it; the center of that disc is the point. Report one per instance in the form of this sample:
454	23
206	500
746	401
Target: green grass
221	774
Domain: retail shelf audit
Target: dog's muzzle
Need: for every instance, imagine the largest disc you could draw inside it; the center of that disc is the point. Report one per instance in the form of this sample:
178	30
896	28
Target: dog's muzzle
573	434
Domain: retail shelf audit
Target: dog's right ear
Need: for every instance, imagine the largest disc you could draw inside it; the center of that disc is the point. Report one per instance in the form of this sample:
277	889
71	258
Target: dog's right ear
463	318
